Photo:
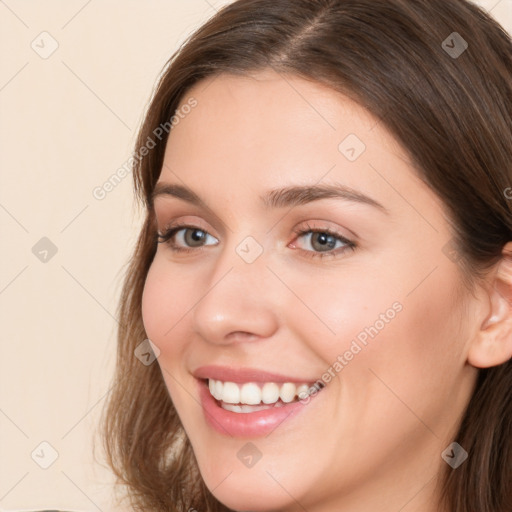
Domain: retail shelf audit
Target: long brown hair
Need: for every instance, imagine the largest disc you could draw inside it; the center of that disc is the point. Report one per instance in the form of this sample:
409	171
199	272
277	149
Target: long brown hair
451	111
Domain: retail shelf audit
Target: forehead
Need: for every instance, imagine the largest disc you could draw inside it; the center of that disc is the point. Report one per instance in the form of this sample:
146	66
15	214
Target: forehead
272	121
269	105
250	134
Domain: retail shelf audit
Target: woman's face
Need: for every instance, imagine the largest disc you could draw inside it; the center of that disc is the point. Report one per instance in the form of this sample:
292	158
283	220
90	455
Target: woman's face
368	301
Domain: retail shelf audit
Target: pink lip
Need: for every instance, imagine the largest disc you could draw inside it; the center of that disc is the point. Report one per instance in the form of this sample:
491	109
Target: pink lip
241	375
253	424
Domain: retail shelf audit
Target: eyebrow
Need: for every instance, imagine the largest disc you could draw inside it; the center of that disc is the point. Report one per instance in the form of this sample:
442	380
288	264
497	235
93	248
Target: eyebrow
279	198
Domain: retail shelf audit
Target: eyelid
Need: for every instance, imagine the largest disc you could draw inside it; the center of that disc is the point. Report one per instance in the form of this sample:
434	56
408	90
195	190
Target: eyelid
187	213
325	226
184	222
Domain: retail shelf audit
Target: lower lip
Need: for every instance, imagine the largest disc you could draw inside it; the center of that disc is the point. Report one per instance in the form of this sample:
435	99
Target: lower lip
251	424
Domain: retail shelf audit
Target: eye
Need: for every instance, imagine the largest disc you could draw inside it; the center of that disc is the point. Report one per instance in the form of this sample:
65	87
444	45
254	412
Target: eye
324	242
184	238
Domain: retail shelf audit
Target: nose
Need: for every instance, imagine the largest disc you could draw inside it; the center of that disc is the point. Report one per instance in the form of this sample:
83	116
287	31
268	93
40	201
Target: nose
239	302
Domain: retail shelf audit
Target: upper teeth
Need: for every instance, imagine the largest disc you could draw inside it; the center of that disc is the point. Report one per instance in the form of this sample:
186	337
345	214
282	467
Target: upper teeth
251	393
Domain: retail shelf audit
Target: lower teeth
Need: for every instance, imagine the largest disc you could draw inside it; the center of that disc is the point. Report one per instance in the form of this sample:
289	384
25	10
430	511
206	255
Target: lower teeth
243	408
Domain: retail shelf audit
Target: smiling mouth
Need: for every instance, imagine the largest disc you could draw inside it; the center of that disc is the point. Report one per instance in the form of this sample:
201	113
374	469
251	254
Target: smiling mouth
251	397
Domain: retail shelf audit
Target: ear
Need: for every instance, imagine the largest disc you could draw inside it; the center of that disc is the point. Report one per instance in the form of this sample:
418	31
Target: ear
492	344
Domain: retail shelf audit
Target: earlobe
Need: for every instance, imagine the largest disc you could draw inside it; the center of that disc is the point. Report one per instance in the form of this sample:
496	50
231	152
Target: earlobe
492	345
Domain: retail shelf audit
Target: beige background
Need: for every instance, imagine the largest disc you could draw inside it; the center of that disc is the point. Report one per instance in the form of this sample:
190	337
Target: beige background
67	123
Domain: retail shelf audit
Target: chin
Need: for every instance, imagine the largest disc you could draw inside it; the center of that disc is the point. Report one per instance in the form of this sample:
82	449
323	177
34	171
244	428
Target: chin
256	497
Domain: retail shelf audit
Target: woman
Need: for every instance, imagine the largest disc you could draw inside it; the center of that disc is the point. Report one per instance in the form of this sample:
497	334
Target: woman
325	269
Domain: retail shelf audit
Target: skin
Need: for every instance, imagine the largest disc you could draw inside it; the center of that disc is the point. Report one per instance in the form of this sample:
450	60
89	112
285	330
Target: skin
372	439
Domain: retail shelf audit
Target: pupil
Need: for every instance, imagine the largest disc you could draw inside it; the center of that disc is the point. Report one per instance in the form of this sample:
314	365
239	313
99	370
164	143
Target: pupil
325	240
196	235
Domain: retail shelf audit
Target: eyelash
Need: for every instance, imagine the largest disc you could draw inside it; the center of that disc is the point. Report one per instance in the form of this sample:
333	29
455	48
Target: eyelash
167	236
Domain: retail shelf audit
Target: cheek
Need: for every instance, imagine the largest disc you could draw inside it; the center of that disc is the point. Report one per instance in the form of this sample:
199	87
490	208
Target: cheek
164	303
381	337
415	361
154	303
340	311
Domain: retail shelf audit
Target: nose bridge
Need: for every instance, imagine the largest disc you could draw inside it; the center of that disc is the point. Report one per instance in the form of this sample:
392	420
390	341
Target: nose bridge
237	299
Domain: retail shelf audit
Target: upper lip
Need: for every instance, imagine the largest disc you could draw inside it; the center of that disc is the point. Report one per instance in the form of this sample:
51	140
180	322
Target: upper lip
241	375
